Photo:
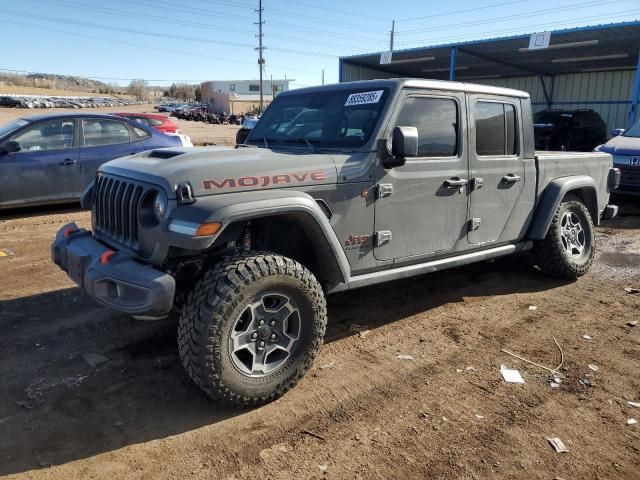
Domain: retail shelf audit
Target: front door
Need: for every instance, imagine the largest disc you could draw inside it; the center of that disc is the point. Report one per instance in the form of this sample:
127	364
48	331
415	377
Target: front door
46	167
496	165
422	205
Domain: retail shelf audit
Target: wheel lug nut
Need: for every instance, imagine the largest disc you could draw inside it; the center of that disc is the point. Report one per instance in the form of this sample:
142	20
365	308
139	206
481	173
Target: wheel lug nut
272	323
273	336
254	335
262	344
261	322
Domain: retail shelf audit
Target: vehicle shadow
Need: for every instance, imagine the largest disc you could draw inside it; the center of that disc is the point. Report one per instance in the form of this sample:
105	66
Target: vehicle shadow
27	212
58	408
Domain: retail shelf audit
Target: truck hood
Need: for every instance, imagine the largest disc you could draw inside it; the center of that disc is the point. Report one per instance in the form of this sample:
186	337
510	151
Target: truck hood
214	170
622	145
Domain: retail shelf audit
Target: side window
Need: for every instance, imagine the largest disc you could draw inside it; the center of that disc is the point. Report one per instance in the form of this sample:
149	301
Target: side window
140	133
98	131
154	122
47	136
437	122
495	129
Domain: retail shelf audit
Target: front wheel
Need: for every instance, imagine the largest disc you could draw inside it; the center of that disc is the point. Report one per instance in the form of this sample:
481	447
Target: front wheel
251	328
568	249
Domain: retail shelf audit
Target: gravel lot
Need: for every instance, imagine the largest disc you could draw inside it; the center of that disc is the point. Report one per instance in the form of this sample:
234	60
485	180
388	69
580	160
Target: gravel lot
361	412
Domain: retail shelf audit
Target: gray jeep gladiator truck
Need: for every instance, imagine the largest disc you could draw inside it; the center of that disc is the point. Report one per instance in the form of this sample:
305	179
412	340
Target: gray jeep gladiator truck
337	187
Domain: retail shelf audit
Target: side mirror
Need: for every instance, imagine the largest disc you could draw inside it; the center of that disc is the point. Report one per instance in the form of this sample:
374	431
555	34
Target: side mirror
10	147
405	142
617	132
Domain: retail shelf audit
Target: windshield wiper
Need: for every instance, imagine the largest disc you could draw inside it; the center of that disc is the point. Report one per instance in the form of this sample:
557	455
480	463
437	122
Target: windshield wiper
305	140
263	139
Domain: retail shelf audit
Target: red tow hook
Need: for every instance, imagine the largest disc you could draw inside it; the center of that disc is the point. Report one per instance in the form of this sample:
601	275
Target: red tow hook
106	256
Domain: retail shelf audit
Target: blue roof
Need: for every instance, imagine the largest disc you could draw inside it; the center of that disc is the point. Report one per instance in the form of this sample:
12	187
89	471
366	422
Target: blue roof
611	46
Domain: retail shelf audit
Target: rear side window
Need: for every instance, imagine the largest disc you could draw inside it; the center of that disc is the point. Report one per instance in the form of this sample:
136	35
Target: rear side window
154	122
99	132
495	129
140	133
437	122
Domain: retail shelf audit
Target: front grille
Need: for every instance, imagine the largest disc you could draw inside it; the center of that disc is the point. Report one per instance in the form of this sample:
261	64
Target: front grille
115	209
630	176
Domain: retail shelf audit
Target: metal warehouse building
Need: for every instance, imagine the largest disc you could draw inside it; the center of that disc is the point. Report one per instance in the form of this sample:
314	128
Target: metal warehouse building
595	67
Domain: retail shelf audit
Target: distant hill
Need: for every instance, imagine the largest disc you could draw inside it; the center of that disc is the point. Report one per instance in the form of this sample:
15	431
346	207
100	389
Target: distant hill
57	82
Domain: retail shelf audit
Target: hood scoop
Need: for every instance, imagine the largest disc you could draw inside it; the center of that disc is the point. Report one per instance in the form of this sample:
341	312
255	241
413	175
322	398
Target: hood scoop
164	154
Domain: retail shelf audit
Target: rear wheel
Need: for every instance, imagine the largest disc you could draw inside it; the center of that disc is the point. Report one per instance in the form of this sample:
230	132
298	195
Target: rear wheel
568	249
251	328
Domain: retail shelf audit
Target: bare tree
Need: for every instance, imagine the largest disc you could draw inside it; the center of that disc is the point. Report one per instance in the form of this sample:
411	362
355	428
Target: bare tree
138	88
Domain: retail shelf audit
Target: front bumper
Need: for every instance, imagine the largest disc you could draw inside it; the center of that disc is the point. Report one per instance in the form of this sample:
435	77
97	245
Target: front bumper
116	279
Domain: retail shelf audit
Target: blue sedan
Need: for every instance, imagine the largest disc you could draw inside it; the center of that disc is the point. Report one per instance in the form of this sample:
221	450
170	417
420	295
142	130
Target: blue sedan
625	148
51	158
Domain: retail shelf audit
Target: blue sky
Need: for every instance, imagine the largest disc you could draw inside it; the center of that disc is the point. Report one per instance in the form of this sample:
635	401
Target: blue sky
167	41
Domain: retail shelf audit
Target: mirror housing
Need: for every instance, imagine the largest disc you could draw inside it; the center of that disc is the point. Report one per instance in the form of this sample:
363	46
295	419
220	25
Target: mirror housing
10	147
615	132
405	142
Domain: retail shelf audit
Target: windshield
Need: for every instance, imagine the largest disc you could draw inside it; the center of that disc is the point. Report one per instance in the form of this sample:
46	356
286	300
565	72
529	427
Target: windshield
552	118
336	119
10	127
633	131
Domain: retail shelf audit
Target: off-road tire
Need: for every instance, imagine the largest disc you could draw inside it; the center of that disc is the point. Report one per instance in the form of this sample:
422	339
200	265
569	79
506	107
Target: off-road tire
550	254
212	308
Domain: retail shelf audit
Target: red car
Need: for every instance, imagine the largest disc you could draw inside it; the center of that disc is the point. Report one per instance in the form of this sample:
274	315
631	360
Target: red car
154	120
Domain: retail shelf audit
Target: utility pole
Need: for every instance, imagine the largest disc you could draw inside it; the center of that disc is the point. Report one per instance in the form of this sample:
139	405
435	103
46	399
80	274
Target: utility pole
260	49
323	76
393	31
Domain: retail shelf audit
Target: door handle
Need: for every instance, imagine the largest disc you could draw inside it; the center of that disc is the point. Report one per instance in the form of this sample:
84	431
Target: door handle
511	178
68	161
455	182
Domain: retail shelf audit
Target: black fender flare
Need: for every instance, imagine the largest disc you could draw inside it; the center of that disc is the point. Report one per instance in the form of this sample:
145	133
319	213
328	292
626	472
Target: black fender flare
553	194
234	209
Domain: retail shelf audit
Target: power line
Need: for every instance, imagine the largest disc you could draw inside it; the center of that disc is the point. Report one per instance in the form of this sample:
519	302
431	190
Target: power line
534	13
173	21
446	14
160	49
573	21
165	35
94	77
343	12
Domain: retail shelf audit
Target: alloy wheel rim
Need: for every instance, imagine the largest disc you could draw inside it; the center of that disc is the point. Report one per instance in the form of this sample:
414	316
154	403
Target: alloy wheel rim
264	334
572	234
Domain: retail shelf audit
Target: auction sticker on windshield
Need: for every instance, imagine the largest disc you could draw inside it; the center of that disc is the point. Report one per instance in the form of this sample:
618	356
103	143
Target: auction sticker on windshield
363	98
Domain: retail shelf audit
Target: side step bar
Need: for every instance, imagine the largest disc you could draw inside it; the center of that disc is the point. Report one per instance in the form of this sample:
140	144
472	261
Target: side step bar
432	266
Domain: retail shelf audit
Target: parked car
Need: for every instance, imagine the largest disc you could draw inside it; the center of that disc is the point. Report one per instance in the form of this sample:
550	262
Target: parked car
157	121
625	148
337	187
575	130
6	101
247	125
51	158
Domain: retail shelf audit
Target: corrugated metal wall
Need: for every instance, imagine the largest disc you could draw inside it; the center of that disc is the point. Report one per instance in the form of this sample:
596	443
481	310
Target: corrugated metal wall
608	93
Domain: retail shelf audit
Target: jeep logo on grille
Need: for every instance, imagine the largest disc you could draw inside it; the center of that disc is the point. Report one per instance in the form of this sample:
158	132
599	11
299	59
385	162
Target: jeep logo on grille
634	161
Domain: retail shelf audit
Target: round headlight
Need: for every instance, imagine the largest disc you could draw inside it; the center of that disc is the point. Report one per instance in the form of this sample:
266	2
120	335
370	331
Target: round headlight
160	205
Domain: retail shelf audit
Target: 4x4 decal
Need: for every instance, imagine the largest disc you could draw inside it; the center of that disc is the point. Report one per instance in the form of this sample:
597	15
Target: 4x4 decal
264	181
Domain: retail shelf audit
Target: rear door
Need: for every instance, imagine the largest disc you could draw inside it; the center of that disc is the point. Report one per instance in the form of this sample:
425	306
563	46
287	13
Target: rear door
46	167
496	165
424	209
104	140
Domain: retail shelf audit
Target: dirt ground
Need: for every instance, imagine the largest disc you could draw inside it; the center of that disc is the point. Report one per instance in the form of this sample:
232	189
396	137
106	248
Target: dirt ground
200	133
361	413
